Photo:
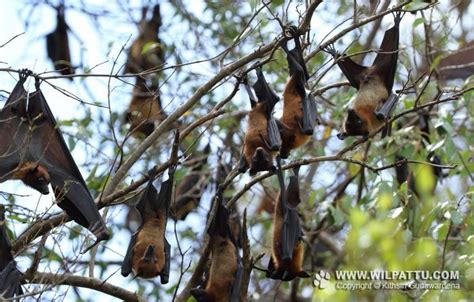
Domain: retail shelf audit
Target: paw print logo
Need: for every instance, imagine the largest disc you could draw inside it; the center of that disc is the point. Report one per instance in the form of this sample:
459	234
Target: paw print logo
321	279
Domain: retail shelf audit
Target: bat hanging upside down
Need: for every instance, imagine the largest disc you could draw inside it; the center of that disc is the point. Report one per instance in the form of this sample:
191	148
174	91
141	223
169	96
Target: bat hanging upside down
148	254
287	258
57	44
225	273
34	151
374	101
299	106
262	139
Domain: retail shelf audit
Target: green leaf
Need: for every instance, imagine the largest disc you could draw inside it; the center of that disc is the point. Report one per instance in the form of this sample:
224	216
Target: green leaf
148	47
418	21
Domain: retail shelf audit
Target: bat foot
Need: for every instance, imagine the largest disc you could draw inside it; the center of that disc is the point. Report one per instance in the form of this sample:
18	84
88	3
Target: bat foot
330	49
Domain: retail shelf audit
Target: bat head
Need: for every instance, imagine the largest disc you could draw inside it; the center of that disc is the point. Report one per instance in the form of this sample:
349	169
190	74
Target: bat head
35	176
353	125
262	160
146	266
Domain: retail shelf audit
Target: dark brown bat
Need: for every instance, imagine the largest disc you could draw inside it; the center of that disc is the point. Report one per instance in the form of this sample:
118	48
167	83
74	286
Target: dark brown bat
148	254
138	60
10	276
262	139
299	106
225	273
34	151
287	258
145	110
57	44
189	190
374	101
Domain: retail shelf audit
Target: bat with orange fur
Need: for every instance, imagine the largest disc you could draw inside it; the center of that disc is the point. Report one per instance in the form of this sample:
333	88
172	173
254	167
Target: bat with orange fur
262	139
286	262
374	100
148	253
299	106
34	151
225	273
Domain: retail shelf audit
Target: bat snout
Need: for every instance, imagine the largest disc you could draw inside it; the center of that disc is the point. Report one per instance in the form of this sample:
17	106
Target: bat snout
44	190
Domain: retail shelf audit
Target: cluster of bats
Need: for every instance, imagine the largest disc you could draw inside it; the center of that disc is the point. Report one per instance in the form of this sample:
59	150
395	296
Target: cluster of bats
35	152
145	54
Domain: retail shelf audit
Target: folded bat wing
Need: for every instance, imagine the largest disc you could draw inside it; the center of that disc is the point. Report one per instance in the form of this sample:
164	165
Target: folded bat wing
10	281
12	129
351	70
386	60
10	276
267	95
47	146
128	260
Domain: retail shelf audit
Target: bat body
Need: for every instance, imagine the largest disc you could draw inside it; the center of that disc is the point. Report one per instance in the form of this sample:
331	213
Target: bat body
148	254
287	258
144	111
10	276
140	59
262	139
374	101
189	190
299	107
226	265
35	152
57	44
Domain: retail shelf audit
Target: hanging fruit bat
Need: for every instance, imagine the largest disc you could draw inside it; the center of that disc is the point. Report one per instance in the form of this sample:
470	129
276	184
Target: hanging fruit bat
189	190
34	151
299	106
10	276
374	100
148	254
262	139
57	44
144	111
286	262
225	273
141	59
